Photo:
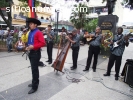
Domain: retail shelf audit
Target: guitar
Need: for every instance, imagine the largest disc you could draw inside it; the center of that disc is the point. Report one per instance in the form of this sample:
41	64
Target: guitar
116	44
90	38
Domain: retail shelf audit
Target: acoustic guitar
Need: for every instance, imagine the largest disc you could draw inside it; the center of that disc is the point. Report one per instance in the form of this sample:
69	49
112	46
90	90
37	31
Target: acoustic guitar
88	39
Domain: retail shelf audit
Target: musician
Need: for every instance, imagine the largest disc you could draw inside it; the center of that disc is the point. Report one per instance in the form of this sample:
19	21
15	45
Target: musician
116	53
35	42
94	48
63	35
75	40
50	42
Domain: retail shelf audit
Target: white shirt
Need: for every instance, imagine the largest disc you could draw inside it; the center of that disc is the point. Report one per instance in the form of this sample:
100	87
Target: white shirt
20	33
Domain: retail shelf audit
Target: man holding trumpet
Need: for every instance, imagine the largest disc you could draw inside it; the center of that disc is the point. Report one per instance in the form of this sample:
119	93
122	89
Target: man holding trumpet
50	43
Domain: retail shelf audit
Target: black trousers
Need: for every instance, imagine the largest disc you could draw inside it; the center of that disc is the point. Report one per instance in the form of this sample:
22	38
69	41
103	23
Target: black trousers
75	52
49	50
34	57
117	60
93	50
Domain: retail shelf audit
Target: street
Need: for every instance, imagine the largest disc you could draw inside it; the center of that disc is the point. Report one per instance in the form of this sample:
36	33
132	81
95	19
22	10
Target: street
15	77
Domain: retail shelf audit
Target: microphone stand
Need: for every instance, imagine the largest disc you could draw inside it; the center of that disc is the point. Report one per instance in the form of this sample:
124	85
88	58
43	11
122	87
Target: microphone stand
27	54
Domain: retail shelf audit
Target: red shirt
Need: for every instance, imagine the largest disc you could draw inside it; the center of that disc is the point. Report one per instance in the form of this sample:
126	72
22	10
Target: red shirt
38	39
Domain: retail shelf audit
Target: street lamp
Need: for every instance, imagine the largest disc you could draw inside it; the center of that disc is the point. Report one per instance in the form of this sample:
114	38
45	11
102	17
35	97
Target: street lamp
56	28
57	14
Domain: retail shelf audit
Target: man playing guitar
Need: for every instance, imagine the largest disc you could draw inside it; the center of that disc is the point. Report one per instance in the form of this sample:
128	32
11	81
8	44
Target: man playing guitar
94	48
116	53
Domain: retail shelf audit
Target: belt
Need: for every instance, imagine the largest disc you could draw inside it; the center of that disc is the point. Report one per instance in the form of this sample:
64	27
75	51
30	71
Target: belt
49	41
95	46
35	51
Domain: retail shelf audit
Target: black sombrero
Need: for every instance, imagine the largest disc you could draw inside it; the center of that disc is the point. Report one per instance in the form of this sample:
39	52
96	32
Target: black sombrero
33	20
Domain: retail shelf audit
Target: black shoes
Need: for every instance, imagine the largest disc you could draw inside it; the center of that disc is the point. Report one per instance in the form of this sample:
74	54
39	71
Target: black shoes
30	85
32	91
116	78
73	68
106	74
94	70
86	70
50	63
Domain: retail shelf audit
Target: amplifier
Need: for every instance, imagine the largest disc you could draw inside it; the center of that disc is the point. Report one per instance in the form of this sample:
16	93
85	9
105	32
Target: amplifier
129	74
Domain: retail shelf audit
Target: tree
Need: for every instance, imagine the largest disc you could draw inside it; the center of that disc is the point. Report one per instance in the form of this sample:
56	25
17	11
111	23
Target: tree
78	15
3	4
24	3
8	3
91	26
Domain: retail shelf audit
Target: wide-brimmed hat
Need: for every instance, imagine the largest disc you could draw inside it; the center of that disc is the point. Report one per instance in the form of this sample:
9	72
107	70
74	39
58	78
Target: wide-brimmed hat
33	20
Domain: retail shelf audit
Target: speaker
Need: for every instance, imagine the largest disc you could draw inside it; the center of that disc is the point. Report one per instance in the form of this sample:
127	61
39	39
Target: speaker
129	74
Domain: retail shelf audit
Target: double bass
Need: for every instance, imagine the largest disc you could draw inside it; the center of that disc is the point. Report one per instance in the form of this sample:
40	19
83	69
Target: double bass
61	57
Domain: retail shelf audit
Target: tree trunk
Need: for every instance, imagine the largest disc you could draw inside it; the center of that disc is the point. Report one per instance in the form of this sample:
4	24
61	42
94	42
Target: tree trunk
8	21
4	18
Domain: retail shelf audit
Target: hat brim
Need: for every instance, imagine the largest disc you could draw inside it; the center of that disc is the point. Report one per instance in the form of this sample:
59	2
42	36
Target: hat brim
33	20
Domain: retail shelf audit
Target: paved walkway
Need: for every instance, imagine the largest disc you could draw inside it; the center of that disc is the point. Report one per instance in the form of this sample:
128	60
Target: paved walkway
15	77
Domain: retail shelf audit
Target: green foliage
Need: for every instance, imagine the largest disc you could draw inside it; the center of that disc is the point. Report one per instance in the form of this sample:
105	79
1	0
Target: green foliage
78	15
91	26
3	3
24	3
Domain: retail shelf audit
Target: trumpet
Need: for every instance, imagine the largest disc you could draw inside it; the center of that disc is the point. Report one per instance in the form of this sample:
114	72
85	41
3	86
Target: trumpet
107	40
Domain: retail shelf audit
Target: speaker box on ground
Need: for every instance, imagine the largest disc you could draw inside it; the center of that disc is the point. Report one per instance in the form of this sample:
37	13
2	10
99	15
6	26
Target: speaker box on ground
129	74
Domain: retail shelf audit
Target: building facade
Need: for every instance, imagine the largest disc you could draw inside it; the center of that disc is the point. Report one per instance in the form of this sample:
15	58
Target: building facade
100	9
67	25
19	15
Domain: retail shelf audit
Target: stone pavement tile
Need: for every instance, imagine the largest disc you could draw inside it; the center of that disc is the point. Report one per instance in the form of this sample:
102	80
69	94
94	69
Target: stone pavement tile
88	90
47	88
47	82
1	97
14	67
61	78
91	90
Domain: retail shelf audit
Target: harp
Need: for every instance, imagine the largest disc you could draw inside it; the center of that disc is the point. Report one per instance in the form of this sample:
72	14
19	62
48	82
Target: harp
61	57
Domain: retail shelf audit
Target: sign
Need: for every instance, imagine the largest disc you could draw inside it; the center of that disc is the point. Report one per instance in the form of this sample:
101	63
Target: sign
106	25
19	17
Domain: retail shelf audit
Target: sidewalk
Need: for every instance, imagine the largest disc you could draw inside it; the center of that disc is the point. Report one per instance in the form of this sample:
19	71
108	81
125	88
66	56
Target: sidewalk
15	77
